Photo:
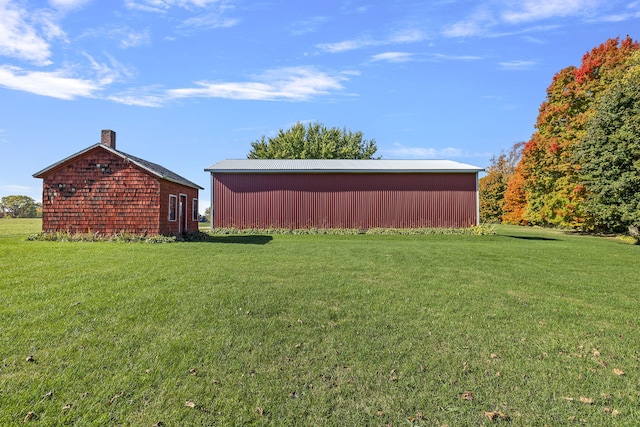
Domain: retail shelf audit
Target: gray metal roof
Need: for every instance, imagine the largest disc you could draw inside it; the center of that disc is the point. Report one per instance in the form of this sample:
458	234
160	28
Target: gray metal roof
153	168
344	166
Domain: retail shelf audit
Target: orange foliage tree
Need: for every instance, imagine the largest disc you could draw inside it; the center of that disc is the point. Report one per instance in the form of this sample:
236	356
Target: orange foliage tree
546	189
493	185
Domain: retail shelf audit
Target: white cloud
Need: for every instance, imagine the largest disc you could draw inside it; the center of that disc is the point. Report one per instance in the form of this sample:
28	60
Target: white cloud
456	57
65	83
400	37
533	10
346	45
16	189
19	36
393	57
57	84
400	151
138	99
406	36
517	65
135	39
126	36
209	20
68	4
209	12
308	25
484	19
105	74
475	25
291	84
164	5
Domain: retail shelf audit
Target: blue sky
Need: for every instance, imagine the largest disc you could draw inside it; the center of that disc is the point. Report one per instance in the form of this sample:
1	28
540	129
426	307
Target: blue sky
186	83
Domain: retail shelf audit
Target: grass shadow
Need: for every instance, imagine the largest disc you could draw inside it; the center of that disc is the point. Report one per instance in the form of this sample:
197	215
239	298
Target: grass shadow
531	237
246	240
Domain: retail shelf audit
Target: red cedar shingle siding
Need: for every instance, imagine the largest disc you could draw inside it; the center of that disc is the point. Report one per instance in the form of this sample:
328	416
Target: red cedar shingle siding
177	226
344	200
105	193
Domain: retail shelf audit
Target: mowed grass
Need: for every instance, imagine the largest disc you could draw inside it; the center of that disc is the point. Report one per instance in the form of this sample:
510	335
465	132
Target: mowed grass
528	327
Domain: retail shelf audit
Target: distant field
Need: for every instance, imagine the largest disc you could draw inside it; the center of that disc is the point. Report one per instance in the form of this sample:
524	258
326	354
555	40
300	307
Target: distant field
527	327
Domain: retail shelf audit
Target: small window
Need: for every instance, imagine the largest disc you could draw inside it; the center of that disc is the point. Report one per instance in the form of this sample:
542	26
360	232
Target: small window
196	215
173	207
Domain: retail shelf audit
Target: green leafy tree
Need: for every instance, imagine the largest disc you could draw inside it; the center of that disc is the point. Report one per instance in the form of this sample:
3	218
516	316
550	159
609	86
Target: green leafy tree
610	154
493	185
19	207
314	141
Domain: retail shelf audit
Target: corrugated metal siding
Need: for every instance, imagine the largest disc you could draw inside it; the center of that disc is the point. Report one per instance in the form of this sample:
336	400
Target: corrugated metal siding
344	200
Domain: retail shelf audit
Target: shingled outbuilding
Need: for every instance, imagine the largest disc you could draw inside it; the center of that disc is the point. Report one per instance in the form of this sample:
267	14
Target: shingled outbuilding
362	194
104	190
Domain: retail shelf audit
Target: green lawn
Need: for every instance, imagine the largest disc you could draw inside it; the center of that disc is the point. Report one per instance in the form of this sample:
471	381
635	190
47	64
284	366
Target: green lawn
530	327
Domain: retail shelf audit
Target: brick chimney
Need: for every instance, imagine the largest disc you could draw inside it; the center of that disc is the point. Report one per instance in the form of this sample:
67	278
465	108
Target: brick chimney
108	138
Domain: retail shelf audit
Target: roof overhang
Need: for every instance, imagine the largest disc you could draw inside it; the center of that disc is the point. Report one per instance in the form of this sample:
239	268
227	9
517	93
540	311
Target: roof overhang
340	166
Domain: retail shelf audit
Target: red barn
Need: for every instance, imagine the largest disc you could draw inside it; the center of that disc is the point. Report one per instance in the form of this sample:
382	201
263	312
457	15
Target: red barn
102	189
296	194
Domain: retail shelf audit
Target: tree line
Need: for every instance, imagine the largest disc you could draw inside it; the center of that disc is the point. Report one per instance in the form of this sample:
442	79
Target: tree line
19	207
581	167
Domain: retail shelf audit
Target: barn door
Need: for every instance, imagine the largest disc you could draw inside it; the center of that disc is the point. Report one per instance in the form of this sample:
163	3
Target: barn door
182	215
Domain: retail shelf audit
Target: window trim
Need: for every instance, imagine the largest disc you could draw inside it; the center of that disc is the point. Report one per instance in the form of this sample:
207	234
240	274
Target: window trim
194	209
173	208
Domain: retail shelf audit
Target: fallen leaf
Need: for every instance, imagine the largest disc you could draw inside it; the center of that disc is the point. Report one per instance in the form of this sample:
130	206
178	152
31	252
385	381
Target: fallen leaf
260	411
190	404
568	399
618	371
586	400
467	395
613	412
114	398
494	356
495	415
596	353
